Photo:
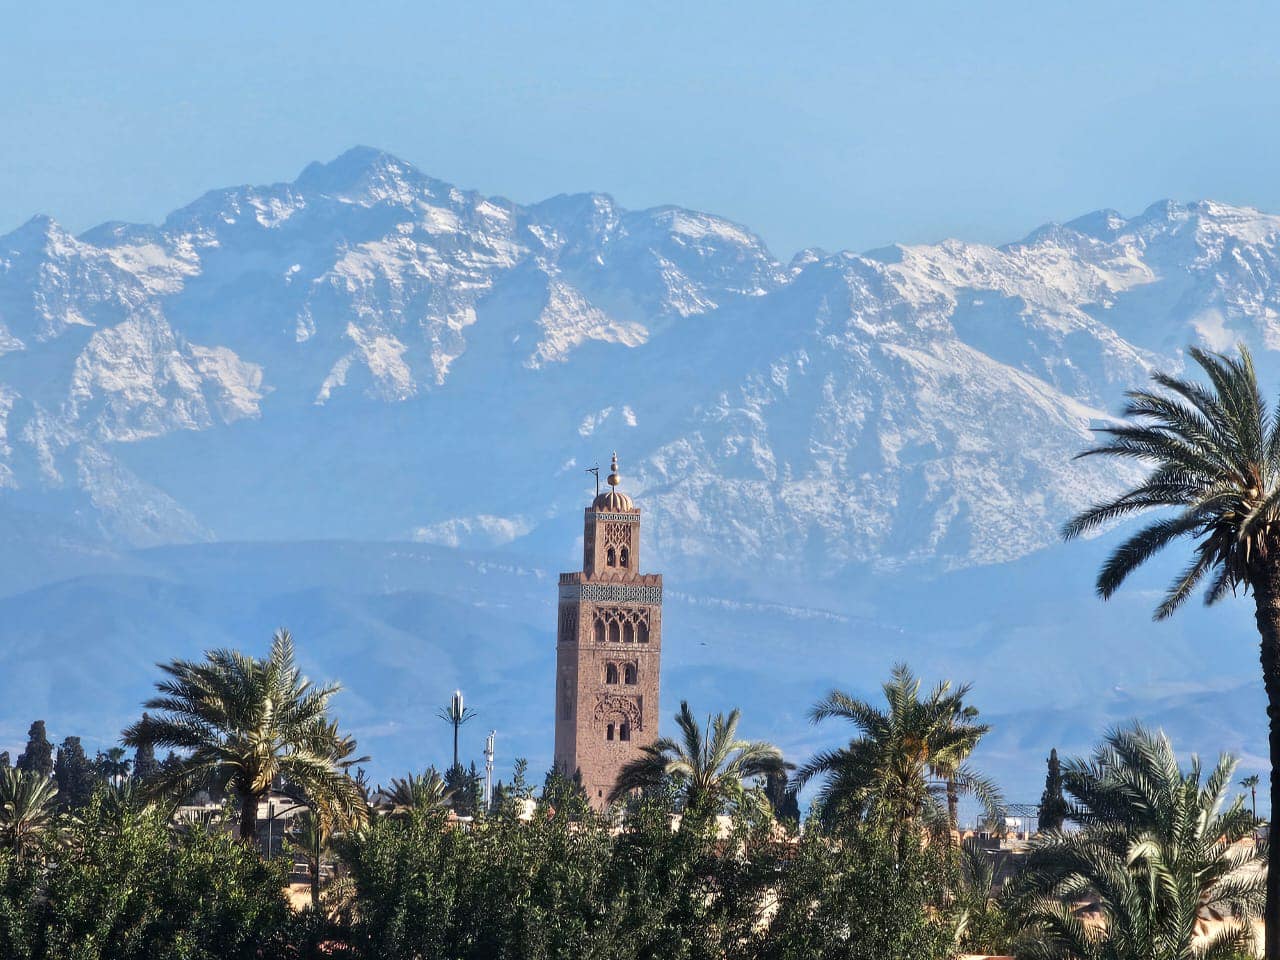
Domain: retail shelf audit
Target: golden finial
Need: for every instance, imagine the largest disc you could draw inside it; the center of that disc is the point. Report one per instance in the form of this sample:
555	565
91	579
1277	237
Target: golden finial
614	479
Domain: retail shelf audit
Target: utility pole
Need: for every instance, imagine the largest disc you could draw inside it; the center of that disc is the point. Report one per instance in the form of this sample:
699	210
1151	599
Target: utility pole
488	769
455	714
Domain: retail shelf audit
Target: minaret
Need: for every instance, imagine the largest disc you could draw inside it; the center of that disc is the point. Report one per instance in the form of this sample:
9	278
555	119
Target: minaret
608	648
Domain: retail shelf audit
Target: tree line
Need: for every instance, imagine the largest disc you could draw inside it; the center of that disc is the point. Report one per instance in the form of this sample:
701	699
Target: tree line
700	854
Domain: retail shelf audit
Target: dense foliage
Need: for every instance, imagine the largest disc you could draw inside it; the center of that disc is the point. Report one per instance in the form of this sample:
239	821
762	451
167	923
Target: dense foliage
1213	457
909	762
120	883
859	896
246	722
1166	857
556	886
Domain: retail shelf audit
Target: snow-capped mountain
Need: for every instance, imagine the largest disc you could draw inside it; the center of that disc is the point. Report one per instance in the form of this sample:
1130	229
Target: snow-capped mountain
915	405
836	455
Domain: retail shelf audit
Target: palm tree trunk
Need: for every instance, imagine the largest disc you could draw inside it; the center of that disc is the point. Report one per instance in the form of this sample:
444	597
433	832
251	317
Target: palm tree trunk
249	819
953	806
315	880
1266	595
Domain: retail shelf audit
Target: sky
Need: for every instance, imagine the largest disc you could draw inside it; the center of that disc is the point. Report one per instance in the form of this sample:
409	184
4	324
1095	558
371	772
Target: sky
840	125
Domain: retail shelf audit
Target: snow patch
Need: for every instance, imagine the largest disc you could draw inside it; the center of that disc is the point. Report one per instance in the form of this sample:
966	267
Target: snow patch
482	530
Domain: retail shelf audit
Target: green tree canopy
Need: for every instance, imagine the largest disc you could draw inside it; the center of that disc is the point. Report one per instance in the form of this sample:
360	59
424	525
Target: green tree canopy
245	722
38	755
906	759
1158	849
74	775
28	809
707	764
1212	453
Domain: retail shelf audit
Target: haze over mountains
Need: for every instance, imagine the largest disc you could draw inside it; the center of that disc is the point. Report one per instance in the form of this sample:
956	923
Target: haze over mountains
361	404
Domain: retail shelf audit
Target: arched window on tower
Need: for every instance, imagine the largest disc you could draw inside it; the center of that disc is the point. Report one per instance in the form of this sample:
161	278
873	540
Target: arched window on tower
599	631
614	635
624	731
624	557
608	732
611	558
642	632
628	633
629	673
611	673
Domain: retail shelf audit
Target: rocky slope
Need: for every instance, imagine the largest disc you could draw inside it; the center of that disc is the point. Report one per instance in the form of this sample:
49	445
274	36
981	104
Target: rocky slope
835	455
369	352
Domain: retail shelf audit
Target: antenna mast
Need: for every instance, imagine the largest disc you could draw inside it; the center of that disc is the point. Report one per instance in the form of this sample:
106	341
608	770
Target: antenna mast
488	769
596	471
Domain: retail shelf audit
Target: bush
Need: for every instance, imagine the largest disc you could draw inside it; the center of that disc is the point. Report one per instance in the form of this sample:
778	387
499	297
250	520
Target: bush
860	896
120	884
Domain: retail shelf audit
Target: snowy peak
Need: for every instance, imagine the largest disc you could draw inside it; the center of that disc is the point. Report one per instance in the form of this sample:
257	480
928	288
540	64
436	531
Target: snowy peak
801	418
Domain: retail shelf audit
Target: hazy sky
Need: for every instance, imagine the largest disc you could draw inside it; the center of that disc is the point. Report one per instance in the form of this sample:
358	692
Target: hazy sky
826	124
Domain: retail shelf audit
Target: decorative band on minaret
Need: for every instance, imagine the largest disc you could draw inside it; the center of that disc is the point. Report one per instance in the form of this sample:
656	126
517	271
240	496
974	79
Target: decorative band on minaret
608	647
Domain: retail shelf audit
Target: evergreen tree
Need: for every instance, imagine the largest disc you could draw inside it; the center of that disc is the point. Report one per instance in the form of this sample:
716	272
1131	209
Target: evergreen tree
784	801
74	774
38	757
1053	805
5	762
145	764
464	786
560	791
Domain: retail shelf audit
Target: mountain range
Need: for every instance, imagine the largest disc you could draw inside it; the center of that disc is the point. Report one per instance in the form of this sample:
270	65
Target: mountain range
363	403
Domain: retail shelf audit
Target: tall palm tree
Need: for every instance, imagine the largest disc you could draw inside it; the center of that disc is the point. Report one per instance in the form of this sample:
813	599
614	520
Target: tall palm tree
965	734
1214	457
906	760
246	722
27	809
1161	853
707	764
1250	783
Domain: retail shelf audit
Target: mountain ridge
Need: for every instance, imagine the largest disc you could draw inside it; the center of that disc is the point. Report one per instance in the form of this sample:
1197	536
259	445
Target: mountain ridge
830	385
236	418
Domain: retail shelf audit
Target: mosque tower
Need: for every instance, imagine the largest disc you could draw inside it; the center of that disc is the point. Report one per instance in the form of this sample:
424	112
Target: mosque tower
608	648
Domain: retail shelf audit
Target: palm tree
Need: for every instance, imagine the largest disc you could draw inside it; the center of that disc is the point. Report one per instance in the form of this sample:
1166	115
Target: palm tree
1160	853
892	774
707	765
245	723
964	737
313	834
27	809
1214	458
414	793
112	766
981	925
1250	783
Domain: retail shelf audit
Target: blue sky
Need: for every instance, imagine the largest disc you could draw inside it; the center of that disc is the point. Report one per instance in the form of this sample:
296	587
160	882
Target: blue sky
840	125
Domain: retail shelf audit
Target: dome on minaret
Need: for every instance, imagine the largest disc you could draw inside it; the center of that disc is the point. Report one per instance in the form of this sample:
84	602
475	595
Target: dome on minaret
613	500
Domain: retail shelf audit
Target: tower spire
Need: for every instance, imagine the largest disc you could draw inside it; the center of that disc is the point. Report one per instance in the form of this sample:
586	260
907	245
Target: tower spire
614	478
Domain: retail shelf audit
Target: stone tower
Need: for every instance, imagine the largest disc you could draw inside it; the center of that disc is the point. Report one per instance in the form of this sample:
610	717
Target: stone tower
608	647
